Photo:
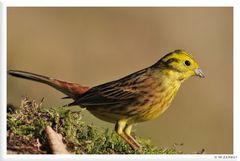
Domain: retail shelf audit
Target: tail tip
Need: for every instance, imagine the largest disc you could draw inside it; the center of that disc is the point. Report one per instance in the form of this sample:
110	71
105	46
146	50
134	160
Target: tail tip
11	72
14	72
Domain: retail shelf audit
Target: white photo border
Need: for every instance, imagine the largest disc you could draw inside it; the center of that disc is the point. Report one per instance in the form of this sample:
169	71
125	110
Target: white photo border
123	3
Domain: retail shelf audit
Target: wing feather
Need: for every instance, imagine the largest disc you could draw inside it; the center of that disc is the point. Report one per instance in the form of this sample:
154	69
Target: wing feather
122	91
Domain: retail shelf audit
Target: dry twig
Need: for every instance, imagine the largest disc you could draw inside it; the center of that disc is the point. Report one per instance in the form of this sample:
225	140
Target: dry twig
55	141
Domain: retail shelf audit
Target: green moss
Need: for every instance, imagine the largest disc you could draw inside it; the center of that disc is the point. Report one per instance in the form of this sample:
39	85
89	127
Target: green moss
30	119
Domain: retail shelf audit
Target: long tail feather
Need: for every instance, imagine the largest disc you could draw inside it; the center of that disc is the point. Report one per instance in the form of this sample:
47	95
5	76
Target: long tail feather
72	90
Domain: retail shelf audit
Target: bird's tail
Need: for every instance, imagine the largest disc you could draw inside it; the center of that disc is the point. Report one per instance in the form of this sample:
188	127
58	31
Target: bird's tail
72	90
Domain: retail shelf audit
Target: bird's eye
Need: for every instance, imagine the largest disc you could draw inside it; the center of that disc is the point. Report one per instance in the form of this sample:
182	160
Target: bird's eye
187	63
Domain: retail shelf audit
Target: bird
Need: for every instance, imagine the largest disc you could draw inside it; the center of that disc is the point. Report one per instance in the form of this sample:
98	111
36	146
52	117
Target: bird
141	96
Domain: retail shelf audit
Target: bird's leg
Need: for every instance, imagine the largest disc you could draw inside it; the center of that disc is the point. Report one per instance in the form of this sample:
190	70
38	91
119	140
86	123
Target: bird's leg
119	127
127	132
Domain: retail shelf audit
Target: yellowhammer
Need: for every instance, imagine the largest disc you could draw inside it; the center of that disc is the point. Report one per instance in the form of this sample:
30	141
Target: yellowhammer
141	96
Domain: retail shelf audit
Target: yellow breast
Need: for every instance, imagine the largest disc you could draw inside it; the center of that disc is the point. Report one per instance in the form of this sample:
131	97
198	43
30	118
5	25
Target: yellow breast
162	99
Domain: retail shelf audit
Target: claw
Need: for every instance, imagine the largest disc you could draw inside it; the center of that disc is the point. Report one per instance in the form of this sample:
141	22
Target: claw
124	130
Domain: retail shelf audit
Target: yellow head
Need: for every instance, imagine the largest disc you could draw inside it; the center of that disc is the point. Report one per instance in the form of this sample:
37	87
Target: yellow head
181	63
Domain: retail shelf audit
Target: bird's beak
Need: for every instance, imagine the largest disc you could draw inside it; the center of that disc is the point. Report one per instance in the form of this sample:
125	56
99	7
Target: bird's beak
199	73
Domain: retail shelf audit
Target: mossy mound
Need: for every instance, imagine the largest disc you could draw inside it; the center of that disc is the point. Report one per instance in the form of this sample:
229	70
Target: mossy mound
26	124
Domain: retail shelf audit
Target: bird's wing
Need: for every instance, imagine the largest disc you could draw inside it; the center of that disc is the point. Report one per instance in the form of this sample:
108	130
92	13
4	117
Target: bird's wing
122	91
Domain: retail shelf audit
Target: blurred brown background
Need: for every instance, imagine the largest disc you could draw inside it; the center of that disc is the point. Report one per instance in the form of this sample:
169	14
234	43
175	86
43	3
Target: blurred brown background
95	45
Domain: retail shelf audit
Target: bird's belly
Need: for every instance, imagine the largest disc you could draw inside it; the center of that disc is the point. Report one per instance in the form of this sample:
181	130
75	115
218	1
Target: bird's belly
150	112
108	116
153	112
155	108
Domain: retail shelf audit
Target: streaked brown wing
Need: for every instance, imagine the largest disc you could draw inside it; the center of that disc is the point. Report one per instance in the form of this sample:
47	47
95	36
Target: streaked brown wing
123	91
